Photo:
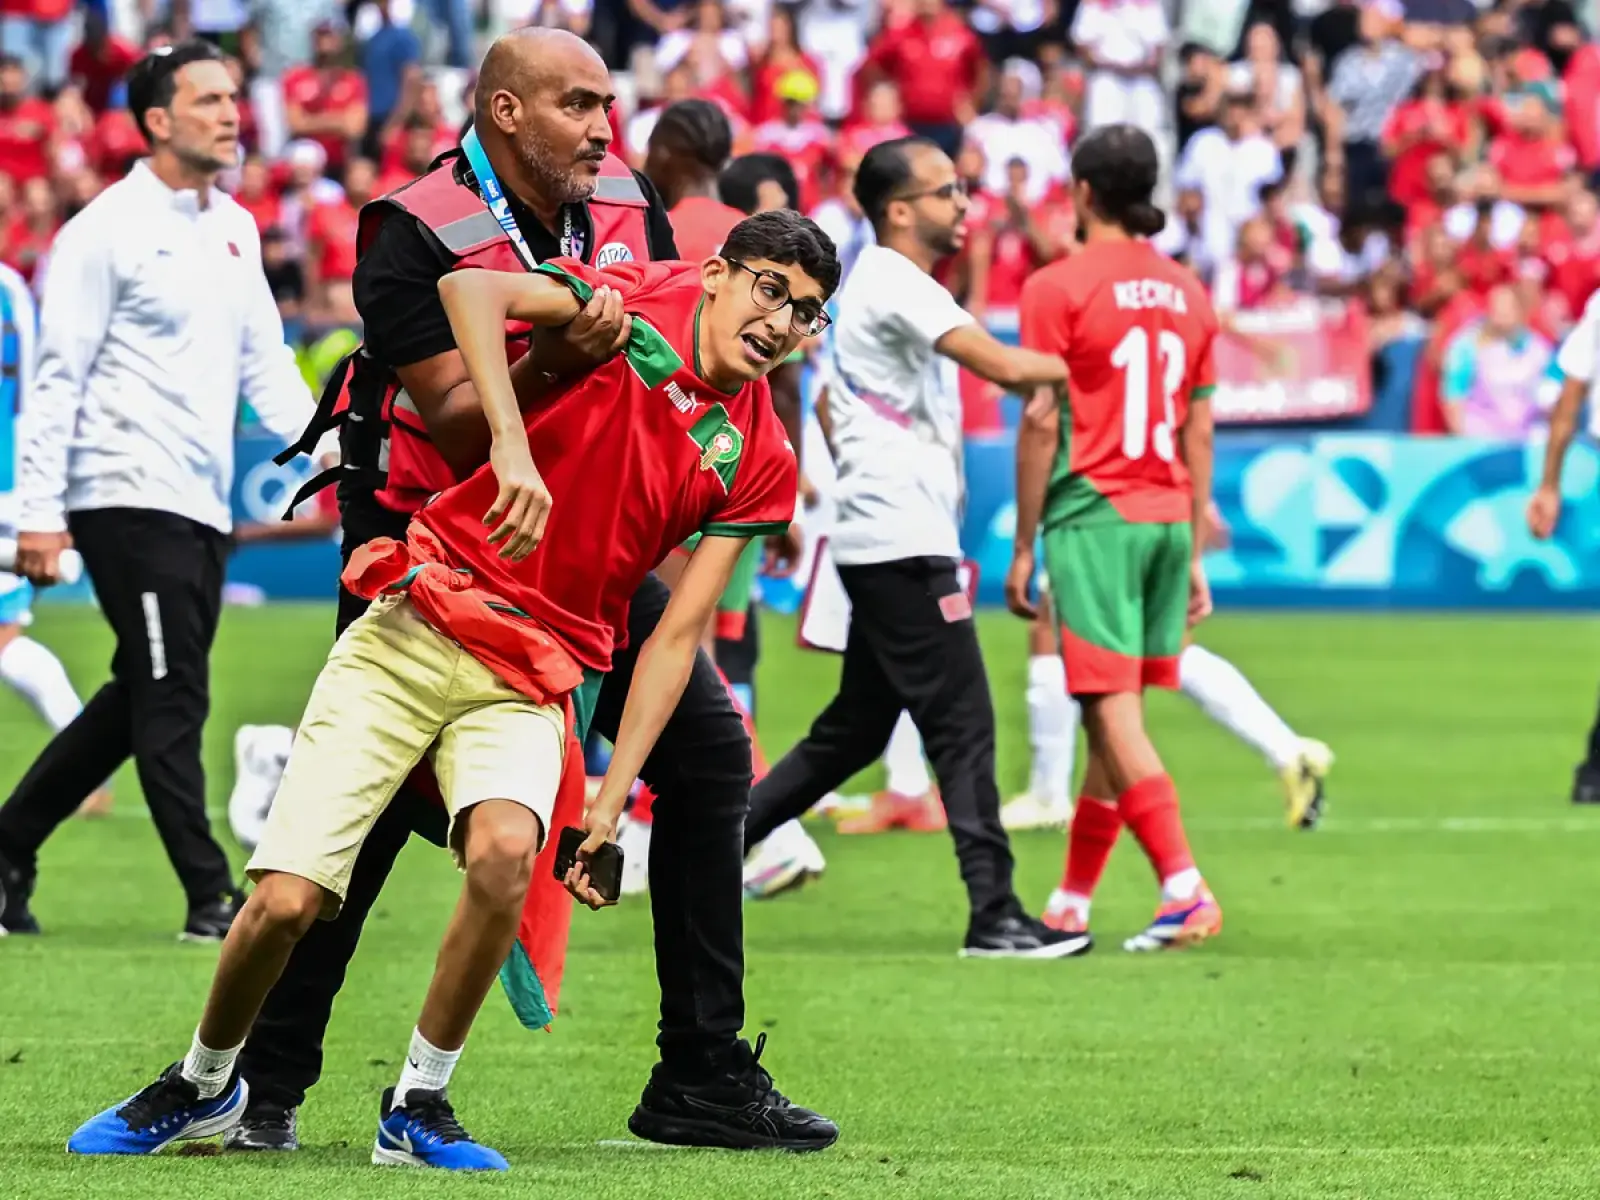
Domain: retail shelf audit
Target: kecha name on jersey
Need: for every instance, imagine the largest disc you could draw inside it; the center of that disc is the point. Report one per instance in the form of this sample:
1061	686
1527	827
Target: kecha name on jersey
1150	293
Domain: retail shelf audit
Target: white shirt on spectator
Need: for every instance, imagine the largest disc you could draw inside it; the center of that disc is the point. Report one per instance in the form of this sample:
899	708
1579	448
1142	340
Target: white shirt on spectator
1035	141
675	46
835	33
1177	240
1124	33
896	410
1505	223
1579	357
1229	175
146	345
850	233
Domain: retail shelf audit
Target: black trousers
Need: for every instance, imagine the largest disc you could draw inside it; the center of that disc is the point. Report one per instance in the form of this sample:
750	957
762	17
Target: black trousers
158	578
700	772
912	646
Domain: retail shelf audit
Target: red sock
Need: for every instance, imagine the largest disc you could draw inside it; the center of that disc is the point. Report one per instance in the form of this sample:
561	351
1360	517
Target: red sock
1150	810
1095	825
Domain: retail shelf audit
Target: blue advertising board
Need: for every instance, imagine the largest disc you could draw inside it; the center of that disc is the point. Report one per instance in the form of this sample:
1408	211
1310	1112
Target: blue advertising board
1360	520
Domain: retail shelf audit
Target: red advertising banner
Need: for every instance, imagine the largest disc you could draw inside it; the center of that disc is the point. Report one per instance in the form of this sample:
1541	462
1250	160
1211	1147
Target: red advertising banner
1307	361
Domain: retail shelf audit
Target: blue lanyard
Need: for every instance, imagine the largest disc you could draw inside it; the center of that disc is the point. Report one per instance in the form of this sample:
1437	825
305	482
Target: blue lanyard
494	196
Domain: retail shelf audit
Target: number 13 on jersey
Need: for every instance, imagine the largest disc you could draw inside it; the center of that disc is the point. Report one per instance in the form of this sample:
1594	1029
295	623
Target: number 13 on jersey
1132	358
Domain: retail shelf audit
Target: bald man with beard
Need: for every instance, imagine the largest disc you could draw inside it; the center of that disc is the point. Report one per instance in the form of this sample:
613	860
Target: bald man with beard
538	183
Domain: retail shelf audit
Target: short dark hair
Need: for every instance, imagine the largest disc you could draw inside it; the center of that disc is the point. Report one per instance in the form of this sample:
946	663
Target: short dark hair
885	170
697	129
153	82
740	182
1119	164
784	236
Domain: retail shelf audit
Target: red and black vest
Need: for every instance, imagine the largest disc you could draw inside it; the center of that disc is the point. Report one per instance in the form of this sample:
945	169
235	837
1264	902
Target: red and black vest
383	442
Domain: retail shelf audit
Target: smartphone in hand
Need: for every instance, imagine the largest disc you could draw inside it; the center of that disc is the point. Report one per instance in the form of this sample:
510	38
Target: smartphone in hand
605	864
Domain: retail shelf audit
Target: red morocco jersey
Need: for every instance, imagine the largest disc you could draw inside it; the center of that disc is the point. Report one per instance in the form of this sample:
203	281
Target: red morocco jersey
700	225
638	455
1136	330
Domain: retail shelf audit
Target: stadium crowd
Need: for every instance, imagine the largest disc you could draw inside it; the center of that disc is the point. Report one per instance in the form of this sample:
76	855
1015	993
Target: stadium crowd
1430	163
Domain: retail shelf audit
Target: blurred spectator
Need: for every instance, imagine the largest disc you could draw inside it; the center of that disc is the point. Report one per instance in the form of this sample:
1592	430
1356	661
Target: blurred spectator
1011	236
117	142
707	44
27	124
101	61
1121	43
1530	155
841	218
421	107
326	101
1496	373
1278	89
1581	91
256	195
1005	134
286	279
1367	85
1574	254
303	189
1227	164
755	183
386	57
937	63
330	262
1013	28
40	33
834	34
1256	275
780	56
27	237
799	137
1202	80
1183	239
72	146
418	149
880	122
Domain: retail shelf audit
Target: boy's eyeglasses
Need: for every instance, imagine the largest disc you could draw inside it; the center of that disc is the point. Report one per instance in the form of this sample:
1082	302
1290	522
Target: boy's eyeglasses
770	291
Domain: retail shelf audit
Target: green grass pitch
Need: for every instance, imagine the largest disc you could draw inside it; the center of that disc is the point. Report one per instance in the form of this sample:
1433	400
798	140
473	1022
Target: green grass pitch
1402	1005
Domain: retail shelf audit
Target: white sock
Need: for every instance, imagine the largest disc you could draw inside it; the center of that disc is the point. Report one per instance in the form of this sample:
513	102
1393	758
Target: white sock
427	1068
1182	885
208	1069
1052	730
1219	688
38	677
908	772
1063	901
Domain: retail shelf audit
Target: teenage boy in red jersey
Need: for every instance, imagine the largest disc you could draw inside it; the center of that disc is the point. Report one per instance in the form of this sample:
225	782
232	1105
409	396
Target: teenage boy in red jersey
1123	491
483	653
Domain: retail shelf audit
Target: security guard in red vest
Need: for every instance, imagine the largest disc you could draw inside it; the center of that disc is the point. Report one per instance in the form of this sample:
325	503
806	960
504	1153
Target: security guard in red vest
533	180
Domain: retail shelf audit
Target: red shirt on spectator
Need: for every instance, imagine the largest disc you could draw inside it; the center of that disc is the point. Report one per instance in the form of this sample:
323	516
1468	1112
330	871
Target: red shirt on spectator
1056	111
856	140
24	139
1484	267
23	247
332	232
1530	162
318	93
809	148
117	142
46	12
394	149
1581	89
101	68
935	63
1575	268
266	209
1435	126
765	104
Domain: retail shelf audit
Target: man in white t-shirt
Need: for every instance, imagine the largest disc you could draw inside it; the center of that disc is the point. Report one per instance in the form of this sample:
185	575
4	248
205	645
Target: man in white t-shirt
1227	164
1121	42
1577	361
894	426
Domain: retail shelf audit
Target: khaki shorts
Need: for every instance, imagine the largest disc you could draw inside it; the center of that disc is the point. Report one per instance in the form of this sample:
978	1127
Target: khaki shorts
394	691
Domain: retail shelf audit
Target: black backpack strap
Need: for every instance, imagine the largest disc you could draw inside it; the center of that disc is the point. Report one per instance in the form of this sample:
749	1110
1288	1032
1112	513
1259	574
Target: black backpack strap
327	416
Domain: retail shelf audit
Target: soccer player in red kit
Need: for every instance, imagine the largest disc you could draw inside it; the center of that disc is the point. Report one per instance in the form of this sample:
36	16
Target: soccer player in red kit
488	632
1121	482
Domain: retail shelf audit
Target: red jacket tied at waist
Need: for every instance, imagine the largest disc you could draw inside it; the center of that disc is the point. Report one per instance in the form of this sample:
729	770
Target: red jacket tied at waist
527	658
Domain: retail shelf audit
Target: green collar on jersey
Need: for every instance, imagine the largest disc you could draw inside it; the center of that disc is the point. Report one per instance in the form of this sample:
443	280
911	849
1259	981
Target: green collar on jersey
699	374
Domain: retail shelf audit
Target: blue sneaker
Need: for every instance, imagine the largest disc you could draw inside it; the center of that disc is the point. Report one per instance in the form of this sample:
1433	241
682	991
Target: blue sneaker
426	1133
169	1110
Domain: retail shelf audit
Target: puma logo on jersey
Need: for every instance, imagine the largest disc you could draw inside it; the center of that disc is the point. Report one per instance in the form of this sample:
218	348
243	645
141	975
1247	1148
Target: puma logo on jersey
684	402
1149	293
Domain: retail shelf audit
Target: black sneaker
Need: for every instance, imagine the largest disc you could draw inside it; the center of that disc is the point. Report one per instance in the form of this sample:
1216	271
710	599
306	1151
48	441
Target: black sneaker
1023	937
16	887
264	1126
210	922
737	1109
1586	784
